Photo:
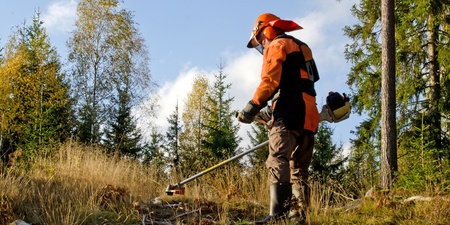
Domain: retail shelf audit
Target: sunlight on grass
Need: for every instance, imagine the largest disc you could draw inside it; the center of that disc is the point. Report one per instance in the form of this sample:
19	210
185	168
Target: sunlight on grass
83	185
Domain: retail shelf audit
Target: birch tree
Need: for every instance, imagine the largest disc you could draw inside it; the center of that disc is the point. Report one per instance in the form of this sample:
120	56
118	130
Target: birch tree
109	60
194	116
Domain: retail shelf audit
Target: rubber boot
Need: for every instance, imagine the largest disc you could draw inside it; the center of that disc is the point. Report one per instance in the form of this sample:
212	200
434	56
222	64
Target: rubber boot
280	198
299	203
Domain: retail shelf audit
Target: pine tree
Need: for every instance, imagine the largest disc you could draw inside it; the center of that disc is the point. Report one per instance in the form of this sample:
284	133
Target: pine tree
422	54
388	125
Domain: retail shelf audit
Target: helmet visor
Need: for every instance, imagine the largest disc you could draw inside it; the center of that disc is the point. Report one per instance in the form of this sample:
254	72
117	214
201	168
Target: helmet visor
253	42
260	49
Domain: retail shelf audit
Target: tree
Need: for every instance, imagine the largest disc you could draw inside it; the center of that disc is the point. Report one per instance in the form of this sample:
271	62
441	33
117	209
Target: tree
258	134
122	135
172	145
193	154
153	151
35	104
421	52
221	140
327	161
109	59
363	162
388	126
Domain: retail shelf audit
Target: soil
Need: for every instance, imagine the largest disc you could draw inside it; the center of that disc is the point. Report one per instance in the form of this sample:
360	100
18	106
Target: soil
181	210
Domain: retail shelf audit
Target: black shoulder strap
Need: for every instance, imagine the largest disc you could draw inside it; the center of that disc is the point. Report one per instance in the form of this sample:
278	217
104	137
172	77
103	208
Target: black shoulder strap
311	65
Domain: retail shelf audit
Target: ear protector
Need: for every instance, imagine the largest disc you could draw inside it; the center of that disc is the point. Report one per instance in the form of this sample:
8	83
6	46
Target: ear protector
269	32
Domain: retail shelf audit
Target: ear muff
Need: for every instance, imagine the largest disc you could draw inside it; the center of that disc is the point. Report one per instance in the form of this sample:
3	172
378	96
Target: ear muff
269	32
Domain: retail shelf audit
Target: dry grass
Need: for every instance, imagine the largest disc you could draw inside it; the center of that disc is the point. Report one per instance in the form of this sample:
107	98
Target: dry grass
81	185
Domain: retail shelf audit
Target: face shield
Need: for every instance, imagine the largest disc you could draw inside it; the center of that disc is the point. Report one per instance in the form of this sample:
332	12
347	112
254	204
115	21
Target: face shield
254	43
260	49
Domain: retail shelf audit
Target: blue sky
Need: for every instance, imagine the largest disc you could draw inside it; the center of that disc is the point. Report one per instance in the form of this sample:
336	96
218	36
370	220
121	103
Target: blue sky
186	38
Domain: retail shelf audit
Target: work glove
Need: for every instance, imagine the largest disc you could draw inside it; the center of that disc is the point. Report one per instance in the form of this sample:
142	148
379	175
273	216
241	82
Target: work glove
264	117
248	114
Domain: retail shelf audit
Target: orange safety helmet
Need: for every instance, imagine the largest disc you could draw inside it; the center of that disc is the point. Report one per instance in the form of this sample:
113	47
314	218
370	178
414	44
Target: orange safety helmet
269	21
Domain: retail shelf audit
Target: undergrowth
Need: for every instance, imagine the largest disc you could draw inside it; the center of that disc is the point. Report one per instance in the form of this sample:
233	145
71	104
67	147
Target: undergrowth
82	185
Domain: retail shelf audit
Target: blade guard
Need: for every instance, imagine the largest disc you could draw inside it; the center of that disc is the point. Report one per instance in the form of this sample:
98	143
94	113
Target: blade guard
175	189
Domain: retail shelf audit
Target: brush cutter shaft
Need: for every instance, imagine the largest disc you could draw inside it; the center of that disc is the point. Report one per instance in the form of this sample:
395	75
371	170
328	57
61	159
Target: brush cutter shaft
222	163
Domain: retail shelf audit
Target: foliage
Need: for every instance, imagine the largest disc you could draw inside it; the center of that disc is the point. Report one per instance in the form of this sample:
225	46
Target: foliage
172	141
327	161
84	186
153	151
258	134
194	117
109	59
420	169
122	135
35	104
364	159
221	139
421	73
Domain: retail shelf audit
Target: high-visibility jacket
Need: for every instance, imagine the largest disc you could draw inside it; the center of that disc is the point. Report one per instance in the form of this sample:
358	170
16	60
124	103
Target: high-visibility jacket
289	73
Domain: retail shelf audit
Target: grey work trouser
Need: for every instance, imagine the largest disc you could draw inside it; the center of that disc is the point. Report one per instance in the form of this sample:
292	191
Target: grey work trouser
290	154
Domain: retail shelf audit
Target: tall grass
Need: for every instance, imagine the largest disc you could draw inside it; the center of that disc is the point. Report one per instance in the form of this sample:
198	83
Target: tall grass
83	185
64	189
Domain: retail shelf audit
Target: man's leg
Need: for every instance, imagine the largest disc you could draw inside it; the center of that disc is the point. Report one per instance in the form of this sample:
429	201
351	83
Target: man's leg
299	164
281	144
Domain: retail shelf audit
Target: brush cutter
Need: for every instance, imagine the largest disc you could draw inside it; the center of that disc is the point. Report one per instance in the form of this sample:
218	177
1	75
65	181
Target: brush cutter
336	109
179	188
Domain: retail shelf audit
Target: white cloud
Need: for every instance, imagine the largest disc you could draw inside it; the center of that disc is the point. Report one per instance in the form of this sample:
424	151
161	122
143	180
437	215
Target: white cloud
60	16
242	72
171	92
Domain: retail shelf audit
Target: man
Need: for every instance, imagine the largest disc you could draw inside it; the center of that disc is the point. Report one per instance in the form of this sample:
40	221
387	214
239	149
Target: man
287	79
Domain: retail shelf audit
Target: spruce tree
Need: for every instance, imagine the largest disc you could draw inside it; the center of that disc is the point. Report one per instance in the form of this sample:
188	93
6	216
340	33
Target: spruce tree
153	151
221	139
172	141
258	134
328	160
122	135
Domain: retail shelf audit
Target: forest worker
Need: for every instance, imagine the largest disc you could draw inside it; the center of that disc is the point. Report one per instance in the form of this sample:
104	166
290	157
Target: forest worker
287	79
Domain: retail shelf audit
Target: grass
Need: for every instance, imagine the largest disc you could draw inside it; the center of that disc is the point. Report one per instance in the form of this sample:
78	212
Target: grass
81	185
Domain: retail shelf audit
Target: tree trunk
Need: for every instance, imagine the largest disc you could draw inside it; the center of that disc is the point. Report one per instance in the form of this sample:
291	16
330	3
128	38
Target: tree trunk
435	90
388	123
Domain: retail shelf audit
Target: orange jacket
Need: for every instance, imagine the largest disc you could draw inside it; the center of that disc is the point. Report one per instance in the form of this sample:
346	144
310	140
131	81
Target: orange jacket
289	68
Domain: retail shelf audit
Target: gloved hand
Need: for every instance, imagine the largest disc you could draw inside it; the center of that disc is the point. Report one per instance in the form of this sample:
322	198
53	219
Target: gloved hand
326	114
264	117
247	115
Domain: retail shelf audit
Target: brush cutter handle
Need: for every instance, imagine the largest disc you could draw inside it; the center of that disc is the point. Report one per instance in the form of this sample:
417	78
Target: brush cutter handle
222	163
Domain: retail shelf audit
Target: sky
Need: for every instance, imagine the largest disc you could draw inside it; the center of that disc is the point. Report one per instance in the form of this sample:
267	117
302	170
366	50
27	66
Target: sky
188	38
